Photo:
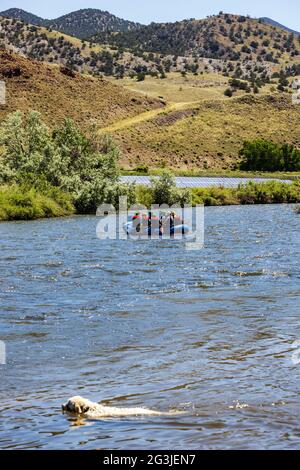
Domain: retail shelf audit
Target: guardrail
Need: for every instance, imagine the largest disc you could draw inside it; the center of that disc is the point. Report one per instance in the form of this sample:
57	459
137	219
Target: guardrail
202	182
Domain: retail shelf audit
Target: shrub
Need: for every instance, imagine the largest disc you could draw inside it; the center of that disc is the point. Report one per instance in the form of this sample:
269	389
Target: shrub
23	203
228	92
144	196
165	191
272	192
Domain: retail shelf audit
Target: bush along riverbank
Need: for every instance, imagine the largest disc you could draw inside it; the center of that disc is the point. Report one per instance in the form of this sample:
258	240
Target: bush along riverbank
46	173
164	189
271	192
24	203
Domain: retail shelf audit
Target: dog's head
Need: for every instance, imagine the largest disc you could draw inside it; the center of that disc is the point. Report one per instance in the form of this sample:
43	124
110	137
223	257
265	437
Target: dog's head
77	406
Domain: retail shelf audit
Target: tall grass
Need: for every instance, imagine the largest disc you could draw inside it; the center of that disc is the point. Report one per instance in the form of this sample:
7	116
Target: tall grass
23	203
271	192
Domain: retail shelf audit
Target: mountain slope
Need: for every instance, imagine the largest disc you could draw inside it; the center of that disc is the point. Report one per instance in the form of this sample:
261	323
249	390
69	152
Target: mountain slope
19	14
224	36
56	94
279	25
51	46
87	22
256	50
81	24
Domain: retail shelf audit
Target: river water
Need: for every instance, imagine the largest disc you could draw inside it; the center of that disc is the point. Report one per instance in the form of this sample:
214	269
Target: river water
208	332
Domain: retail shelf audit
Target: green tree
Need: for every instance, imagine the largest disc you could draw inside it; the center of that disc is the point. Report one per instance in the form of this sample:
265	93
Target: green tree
26	146
85	167
262	155
165	191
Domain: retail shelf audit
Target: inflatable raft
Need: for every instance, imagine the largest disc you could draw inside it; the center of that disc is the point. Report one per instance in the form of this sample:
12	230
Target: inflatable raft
178	231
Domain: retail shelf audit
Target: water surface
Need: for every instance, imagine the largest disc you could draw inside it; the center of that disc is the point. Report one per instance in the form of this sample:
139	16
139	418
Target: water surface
151	324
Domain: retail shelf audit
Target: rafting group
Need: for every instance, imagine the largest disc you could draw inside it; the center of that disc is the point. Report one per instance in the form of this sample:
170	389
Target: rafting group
163	224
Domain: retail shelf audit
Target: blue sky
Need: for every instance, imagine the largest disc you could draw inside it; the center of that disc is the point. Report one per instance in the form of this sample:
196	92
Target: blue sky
286	12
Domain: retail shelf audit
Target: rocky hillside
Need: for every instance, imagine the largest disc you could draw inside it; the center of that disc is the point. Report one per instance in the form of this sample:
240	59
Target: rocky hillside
57	94
19	14
47	45
85	23
279	25
224	36
81	24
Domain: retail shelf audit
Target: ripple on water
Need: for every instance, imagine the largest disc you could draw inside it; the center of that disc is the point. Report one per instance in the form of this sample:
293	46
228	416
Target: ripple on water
211	333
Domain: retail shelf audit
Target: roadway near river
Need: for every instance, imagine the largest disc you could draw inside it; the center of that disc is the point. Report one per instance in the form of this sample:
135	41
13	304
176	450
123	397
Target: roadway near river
201	182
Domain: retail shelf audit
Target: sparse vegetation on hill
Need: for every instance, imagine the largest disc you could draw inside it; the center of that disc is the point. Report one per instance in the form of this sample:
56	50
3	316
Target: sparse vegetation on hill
25	16
45	44
234	46
226	36
81	24
279	25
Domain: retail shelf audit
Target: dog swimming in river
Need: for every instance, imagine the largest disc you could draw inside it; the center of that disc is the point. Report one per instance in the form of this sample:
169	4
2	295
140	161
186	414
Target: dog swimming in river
87	409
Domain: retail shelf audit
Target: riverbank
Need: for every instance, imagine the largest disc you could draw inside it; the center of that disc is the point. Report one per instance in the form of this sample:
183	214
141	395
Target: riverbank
272	192
23	203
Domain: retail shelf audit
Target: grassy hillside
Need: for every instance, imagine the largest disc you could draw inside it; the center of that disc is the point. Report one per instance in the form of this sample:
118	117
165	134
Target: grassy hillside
176	88
174	111
53	92
207	135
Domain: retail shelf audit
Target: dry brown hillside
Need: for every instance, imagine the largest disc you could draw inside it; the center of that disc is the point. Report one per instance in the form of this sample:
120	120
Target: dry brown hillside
58	94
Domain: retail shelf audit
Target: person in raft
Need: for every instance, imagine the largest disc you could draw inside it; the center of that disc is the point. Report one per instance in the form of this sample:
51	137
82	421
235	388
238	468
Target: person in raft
139	220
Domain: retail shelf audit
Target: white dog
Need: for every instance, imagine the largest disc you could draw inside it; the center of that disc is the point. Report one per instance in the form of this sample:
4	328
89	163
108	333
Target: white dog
86	408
